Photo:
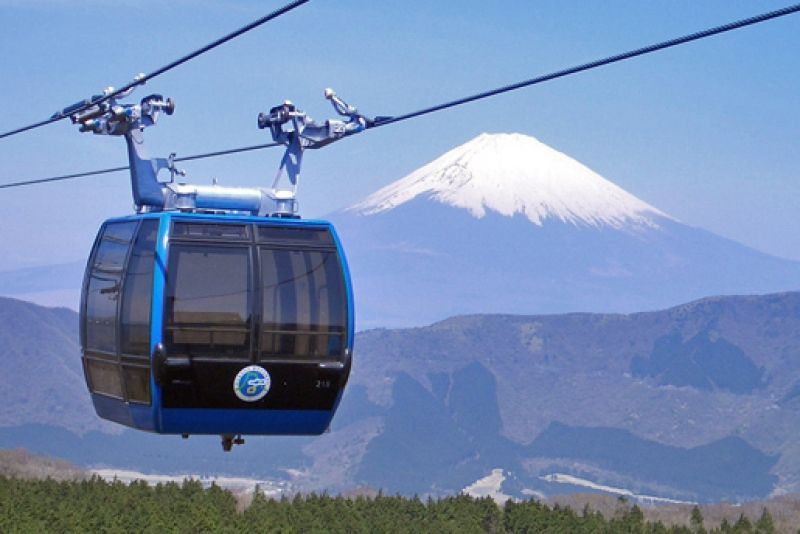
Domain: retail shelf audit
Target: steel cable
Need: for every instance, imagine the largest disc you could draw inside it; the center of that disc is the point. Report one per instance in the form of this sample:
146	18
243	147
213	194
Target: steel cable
117	169
169	66
383	121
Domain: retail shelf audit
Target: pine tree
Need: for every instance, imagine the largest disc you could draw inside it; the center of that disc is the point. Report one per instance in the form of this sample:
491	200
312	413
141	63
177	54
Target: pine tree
765	525
696	520
743	524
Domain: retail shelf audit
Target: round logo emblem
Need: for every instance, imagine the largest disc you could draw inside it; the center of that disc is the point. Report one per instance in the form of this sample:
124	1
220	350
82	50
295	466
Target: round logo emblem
252	383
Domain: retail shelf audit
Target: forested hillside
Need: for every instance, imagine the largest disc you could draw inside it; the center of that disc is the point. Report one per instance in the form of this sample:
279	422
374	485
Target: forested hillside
99	506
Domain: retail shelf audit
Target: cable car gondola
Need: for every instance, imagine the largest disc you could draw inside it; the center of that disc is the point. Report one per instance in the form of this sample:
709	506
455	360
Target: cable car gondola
216	310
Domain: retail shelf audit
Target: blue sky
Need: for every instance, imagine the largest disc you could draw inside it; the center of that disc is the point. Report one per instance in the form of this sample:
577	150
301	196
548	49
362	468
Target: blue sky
707	132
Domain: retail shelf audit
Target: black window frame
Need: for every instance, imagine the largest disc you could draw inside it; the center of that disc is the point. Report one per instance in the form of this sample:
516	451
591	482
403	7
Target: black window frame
261	355
251	291
128	360
121	362
123	292
255	242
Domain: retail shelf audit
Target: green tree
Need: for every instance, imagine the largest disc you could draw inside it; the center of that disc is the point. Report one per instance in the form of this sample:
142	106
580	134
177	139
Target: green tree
696	520
765	525
742	525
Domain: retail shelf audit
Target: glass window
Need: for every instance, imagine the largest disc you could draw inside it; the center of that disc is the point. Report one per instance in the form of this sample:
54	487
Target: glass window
101	313
102	292
208	300
281	234
137	293
110	256
120	231
303	304
104	289
209	231
113	247
137	383
104	377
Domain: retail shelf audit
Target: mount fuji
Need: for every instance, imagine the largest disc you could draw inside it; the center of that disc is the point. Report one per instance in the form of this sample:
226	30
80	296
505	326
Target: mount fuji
506	224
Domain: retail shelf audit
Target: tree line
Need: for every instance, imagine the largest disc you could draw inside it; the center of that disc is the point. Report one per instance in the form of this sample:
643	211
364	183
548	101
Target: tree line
96	505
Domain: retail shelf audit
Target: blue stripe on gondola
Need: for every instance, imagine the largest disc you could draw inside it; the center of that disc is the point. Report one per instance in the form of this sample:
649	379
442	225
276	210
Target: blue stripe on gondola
213	421
207	421
351	311
157	314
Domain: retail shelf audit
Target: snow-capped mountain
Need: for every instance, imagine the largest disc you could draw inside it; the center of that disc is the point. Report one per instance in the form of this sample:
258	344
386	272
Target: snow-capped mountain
515	174
506	224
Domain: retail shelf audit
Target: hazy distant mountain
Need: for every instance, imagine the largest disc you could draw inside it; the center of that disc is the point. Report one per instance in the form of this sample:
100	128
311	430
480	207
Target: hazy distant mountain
673	403
41	378
506	224
57	285
697	402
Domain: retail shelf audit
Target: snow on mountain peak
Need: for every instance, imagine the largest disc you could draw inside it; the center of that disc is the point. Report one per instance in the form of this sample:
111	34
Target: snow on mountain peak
515	173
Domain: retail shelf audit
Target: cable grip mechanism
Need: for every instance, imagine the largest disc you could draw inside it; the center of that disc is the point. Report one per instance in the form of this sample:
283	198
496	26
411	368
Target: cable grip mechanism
109	116
293	128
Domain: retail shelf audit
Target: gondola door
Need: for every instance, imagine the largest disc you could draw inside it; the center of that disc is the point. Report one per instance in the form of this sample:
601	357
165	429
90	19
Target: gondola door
255	318
208	323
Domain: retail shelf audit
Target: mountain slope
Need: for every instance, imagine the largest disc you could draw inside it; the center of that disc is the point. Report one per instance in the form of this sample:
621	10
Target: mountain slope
511	174
577	370
505	224
598	396
42	378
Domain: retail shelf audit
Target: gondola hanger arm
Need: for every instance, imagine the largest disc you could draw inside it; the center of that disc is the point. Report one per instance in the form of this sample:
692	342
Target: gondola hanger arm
297	131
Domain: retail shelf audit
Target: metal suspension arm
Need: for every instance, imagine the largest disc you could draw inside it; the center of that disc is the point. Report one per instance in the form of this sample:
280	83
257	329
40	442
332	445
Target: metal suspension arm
129	120
293	128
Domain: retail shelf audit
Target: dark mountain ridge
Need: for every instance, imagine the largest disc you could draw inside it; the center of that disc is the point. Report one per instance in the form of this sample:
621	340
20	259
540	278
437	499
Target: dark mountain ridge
432	409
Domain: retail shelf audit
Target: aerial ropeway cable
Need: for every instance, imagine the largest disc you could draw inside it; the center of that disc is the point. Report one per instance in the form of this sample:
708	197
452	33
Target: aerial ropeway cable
109	170
141	79
385	120
382	121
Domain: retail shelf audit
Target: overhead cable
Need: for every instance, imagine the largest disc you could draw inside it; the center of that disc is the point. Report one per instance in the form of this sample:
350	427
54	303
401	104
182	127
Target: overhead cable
117	169
383	121
140	80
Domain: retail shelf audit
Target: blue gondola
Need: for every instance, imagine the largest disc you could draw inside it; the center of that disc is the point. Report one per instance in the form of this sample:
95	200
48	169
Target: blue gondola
216	310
